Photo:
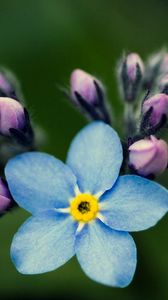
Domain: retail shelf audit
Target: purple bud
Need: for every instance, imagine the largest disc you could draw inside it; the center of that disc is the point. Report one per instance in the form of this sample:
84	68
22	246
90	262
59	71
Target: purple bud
6	200
153	69
83	83
163	84
159	104
155	60
88	95
164	65
131	70
11	115
148	156
132	61
5	85
9	85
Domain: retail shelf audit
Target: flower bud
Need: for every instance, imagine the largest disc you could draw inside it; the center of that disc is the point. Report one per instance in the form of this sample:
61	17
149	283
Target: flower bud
148	157
6	200
163	84
87	93
132	60
83	83
130	75
153	69
11	115
5	86
159	105
157	66
164	65
9	85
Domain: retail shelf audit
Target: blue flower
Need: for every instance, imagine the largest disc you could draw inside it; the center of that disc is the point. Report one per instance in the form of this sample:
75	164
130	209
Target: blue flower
83	208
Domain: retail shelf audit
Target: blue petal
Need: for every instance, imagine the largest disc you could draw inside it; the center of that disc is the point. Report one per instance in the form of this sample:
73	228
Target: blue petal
95	156
43	243
39	181
106	256
134	204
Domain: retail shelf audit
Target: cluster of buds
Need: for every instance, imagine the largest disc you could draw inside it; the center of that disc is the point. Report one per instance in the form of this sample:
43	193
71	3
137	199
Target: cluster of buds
16	133
146	151
148	156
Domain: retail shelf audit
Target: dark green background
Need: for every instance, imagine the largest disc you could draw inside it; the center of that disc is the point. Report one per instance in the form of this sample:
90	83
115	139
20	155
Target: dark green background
42	42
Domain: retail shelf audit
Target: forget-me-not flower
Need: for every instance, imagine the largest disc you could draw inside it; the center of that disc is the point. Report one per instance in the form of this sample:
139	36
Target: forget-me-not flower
83	208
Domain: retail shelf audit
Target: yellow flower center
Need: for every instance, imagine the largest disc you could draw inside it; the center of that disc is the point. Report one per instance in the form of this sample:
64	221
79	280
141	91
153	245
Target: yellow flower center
84	207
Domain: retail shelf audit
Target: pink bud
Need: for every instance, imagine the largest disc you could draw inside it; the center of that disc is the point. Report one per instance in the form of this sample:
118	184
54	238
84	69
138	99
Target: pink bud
4	84
11	115
130	74
132	60
148	156
83	83
159	103
155	61
163	83
152	69
164	65
6	200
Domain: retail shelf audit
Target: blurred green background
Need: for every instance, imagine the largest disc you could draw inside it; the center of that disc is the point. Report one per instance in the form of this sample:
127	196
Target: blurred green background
42	42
